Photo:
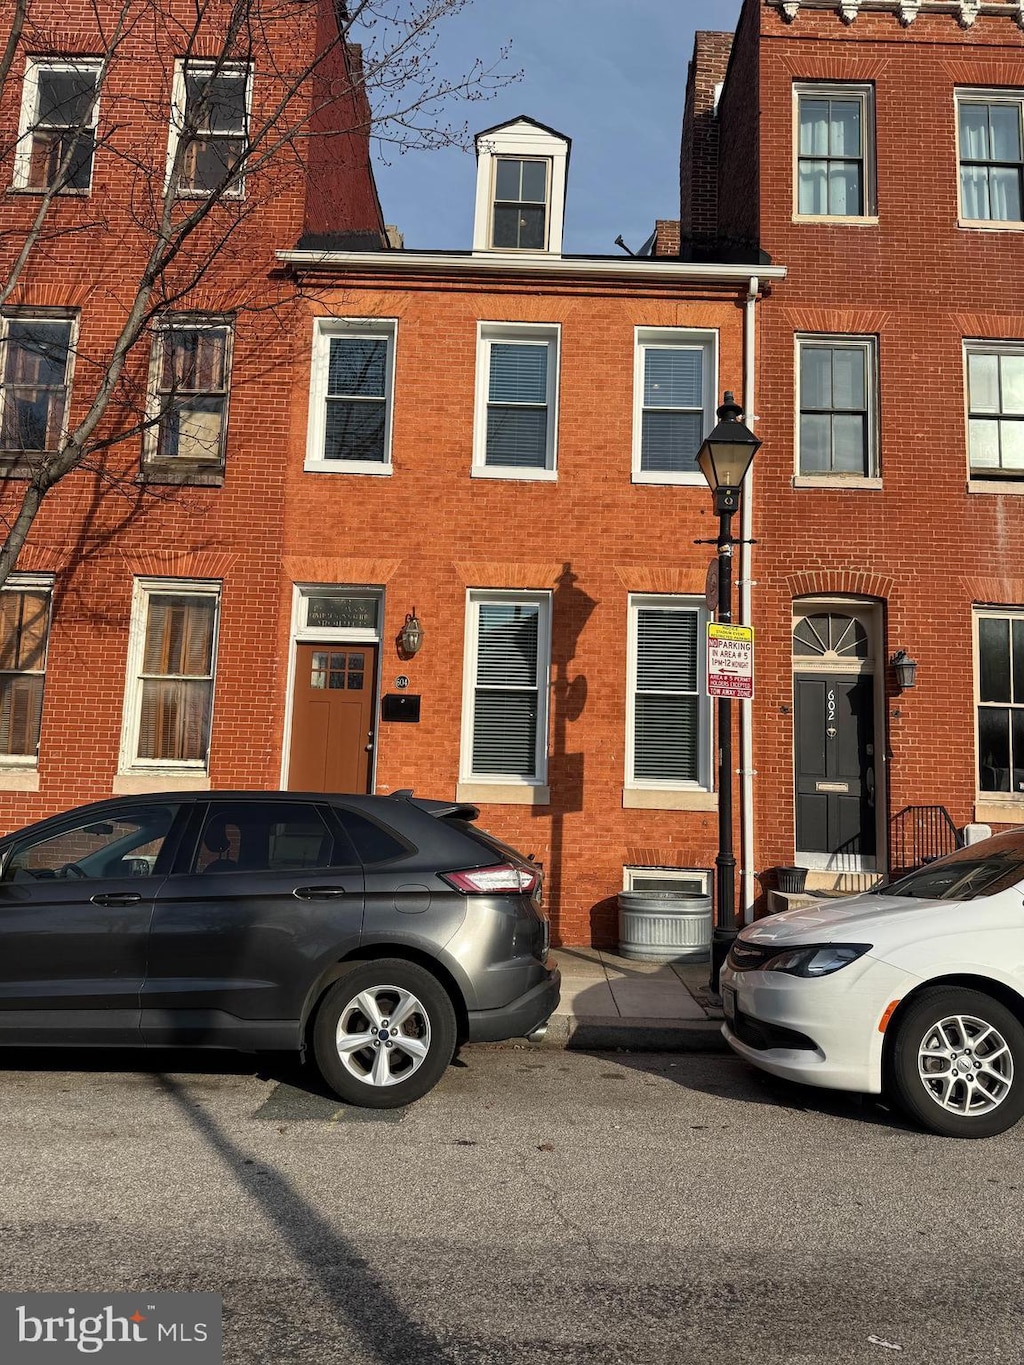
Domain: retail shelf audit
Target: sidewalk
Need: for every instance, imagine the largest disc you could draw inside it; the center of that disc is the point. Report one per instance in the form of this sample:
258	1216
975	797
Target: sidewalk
612	1002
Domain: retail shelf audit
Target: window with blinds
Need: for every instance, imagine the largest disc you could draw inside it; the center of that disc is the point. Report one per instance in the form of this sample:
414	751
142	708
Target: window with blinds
507	671
24	636
674	400
173	652
350	397
669	715
516	408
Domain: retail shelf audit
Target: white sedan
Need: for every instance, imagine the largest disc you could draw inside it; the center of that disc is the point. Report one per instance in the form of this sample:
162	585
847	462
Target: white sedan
915	990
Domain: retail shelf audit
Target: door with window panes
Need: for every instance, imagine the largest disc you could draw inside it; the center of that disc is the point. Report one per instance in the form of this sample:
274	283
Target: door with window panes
332	718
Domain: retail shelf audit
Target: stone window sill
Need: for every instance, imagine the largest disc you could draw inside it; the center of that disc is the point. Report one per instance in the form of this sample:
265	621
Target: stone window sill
132	784
502	794
178	472
667	798
846	483
988	811
19	779
1015	487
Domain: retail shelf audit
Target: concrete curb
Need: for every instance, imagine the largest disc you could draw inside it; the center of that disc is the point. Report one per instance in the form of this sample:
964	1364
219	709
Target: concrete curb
600	1034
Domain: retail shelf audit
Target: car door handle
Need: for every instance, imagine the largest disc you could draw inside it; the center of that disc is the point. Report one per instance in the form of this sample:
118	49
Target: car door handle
318	893
118	898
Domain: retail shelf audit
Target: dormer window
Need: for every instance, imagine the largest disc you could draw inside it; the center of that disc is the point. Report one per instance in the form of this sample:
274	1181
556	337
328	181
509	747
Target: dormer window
520	189
520	204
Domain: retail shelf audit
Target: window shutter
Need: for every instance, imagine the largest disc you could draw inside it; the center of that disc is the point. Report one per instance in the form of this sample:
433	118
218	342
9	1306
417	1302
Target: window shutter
517	414
667	712
673	417
506	701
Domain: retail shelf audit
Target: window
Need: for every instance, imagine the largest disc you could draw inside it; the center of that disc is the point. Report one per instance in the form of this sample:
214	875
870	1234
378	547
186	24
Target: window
682	881
519	221
1001	702
991	156
57	138
837	406
674	395
189	380
265	836
169	700
517	411
36	374
505	706
128	844
24	636
834	151
995	411
209	127
350	396
667	741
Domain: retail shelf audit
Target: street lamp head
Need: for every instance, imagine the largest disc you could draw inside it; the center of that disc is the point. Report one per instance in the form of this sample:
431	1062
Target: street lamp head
725	456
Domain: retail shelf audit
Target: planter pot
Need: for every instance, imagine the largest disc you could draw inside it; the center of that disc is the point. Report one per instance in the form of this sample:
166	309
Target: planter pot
663	926
792	879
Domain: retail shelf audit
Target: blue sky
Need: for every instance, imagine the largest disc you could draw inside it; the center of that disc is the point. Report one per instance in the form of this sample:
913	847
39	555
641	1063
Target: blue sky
610	74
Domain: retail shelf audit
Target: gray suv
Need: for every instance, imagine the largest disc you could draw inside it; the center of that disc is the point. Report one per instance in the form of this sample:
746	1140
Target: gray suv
376	933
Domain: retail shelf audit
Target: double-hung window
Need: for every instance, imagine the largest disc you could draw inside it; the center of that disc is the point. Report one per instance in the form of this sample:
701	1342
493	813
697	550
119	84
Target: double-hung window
350	396
837	387
189	379
673	405
57	137
171	660
517	401
991	149
835	151
209	127
519	219
36	363
504	739
995	410
1001	702
24	636
669	719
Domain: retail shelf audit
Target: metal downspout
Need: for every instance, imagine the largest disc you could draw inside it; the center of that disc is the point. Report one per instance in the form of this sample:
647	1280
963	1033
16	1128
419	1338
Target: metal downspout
747	772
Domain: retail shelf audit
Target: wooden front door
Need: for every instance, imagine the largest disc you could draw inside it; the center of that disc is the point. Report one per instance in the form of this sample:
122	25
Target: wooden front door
835	765
332	718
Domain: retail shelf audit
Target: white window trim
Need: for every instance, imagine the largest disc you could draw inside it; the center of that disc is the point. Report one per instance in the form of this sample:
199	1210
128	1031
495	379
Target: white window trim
982	476
632	872
177	118
548	179
871	478
865	93
524	141
128	762
185	322
498	781
685	338
548	334
44	315
969	94
668	602
30	582
29	113
378	329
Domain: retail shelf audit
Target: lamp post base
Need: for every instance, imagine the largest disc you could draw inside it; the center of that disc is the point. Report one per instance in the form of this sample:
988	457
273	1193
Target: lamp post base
721	942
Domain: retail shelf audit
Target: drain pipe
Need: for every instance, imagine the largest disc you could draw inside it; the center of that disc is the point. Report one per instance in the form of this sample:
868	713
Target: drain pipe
747	771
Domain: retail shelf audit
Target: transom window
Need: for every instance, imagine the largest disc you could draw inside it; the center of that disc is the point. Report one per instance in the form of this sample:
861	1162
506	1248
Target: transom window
350	397
830	635
209	119
834	151
520	209
33	400
189	391
668	725
1001	702
991	156
995	410
58	126
837	405
517	384
674	388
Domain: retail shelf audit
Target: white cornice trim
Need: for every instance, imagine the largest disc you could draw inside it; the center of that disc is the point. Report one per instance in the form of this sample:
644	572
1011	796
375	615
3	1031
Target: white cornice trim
964	11
645	268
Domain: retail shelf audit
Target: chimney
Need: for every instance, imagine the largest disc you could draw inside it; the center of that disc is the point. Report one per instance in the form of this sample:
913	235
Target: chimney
698	162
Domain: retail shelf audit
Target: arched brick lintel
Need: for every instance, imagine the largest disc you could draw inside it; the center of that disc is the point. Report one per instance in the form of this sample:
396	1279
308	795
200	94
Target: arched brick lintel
850	582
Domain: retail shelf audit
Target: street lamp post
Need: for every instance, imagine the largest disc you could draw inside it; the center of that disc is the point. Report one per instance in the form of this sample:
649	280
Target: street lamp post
724	459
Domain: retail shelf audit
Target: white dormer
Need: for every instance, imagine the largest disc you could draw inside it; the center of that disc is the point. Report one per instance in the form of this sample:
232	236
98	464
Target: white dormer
520	188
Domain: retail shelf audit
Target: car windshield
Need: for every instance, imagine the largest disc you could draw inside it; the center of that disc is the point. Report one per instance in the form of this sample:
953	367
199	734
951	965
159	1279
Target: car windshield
980	870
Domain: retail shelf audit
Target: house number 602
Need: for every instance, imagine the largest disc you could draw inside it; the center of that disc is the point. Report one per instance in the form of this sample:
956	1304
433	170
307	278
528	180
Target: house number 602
831	730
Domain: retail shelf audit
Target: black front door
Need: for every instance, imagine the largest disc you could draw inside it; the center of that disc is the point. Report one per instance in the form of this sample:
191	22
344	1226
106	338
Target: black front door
835	764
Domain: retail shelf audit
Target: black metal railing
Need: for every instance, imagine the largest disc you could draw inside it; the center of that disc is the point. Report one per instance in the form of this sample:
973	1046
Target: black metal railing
919	835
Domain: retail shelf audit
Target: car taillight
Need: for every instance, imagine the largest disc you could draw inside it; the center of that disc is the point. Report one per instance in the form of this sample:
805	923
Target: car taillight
490	881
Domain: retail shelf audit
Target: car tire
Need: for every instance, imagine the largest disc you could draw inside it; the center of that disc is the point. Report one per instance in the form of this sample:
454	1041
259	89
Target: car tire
384	1033
957	1063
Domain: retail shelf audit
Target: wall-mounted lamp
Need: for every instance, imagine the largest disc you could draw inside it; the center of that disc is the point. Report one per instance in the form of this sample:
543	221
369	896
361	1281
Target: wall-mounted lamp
411	635
906	669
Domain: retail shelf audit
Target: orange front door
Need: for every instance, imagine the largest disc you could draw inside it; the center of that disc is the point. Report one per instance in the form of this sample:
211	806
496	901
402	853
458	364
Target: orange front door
332	718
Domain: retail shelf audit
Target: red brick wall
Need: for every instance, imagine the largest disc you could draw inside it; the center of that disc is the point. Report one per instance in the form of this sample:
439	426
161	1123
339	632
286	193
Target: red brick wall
698	165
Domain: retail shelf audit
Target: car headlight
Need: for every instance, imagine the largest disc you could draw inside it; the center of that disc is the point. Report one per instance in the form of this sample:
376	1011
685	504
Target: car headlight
817	960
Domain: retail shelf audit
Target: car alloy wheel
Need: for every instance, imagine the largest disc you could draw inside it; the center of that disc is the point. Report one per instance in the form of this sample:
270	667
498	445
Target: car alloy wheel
957	1063
384	1033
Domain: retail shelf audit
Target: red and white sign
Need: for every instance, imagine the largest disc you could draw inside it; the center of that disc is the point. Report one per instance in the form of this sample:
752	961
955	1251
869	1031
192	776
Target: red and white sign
730	661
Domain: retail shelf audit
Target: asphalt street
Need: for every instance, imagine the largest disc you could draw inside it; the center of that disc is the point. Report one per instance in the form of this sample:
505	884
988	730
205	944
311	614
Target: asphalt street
539	1206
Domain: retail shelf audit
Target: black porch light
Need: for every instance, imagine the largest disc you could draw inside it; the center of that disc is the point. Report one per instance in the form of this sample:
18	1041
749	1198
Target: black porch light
906	669
725	456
